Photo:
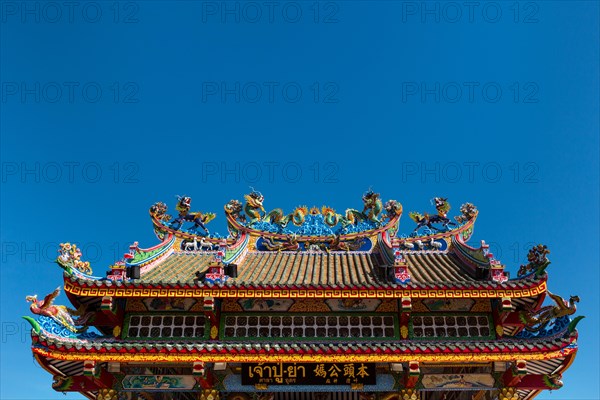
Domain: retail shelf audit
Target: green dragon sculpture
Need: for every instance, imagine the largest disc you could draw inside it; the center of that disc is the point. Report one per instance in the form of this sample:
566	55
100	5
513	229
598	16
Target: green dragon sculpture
373	206
254	211
298	216
253	206
291	244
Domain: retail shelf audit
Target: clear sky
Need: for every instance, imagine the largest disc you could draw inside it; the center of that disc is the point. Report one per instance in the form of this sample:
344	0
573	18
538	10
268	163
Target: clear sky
107	107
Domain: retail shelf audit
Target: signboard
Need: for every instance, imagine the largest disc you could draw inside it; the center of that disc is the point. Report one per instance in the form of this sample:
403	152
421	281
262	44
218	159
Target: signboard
308	374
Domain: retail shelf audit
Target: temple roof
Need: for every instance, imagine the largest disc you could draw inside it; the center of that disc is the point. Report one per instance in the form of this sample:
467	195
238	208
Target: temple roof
323	250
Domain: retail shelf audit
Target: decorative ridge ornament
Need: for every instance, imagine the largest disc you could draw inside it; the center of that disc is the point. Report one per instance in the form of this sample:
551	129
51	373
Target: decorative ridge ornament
311	222
198	218
442	206
538	261
61	314
537	320
70	258
468	211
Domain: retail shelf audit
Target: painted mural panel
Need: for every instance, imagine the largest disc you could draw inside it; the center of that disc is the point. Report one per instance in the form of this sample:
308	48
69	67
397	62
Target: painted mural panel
265	304
310	305
163	304
353	304
449	304
458	381
158	382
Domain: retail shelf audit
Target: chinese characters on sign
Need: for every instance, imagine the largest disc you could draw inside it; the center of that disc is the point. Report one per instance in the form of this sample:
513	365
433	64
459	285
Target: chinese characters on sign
308	374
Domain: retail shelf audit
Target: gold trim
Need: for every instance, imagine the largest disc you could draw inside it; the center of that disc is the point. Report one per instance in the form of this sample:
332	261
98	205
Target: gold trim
277	357
540	288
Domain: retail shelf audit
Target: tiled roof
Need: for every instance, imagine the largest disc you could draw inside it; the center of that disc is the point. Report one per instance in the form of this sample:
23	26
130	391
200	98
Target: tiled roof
178	267
411	347
297	268
436	267
327	269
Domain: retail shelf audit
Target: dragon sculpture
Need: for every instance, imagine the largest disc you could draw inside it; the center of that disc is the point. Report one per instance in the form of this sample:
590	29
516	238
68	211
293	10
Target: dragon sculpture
198	218
61	314
442	206
372	209
253	206
254	211
337	244
291	244
298	216
372	206
70	258
535	321
537	258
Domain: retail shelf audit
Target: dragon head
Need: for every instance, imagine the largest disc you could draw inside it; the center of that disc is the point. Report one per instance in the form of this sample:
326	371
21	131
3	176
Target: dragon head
31	299
441	205
370	197
184	204
255	199
439	201
325	210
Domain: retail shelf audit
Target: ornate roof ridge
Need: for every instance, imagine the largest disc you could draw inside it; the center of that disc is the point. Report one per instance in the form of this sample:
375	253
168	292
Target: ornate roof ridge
521	287
407	348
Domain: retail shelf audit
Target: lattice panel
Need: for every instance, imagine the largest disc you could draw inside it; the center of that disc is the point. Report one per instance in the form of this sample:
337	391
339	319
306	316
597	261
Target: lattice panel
310	326
450	326
166	326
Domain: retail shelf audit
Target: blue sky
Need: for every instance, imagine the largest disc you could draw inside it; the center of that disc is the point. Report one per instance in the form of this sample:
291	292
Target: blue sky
107	107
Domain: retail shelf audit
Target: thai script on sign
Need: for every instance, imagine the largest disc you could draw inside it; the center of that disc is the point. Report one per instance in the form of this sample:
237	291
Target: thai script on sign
308	373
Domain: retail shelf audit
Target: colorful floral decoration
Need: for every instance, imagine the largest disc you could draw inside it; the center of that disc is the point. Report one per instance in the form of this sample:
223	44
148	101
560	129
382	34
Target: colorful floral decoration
70	258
